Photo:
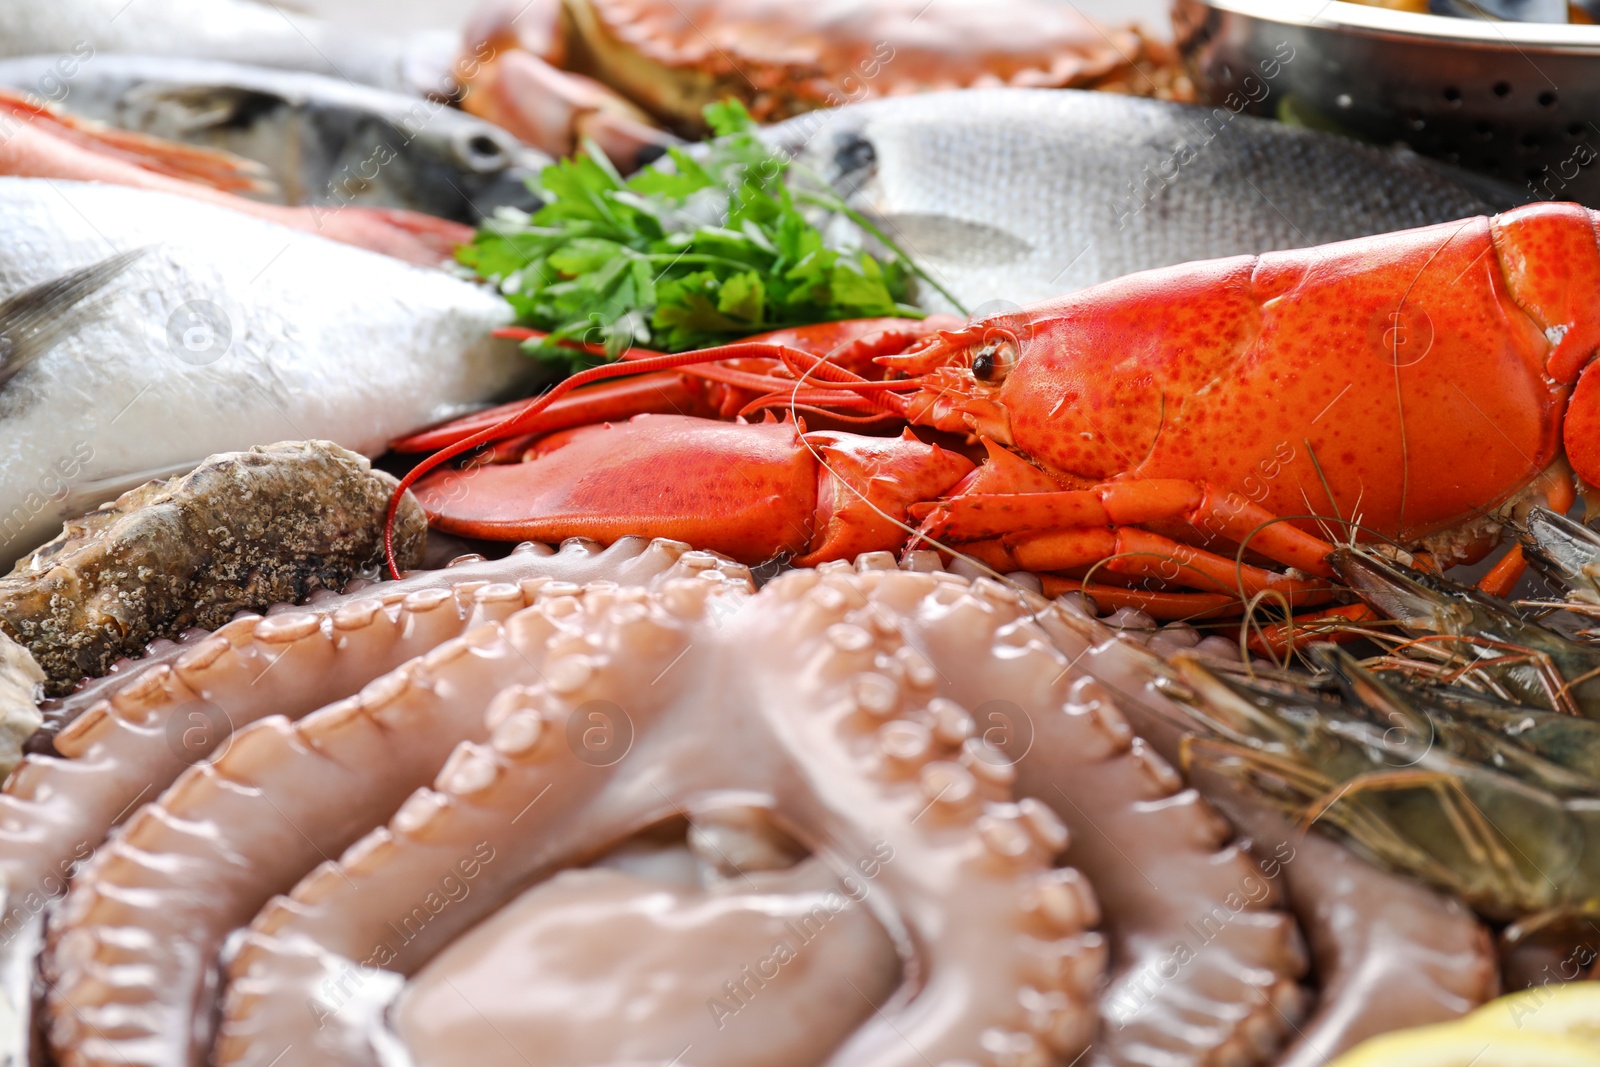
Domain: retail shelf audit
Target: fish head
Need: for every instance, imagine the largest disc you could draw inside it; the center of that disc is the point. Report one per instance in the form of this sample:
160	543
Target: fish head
495	168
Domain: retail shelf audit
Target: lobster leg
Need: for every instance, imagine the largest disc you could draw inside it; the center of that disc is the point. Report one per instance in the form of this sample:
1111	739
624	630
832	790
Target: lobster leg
1138	553
1560	494
1163	607
1057	531
970	517
1505	574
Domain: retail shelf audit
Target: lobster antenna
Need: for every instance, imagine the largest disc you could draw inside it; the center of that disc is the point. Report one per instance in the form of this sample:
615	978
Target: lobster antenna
1250	622
521	420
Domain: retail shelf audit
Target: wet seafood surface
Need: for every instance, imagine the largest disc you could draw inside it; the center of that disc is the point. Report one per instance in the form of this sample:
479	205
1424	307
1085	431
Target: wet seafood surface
215	332
947	769
275	793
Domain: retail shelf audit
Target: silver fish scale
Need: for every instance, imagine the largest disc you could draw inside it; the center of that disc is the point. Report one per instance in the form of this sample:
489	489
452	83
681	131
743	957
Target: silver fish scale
1017	195
226	332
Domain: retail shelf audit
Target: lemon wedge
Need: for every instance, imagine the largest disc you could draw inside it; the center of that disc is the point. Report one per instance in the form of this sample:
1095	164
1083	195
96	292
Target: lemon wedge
1571	1010
1459	1044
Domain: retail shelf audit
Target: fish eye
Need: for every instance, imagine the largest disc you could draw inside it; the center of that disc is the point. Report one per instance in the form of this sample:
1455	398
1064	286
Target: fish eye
482	151
995	358
482	145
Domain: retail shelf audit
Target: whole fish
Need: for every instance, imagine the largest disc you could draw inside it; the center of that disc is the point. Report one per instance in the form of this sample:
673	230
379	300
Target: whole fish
141	332
240	31
1017	195
40	142
322	140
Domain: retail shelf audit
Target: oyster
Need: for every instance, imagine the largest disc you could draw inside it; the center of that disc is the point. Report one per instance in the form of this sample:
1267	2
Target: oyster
242	531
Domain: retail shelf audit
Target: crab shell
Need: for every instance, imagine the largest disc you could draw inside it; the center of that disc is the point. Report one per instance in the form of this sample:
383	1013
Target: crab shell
782	58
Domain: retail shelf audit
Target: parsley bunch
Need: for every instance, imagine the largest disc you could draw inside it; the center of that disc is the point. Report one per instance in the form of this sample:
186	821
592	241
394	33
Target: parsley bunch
702	252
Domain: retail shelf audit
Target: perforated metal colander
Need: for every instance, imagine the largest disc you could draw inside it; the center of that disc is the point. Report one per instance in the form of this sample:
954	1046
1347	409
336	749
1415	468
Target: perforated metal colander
1519	101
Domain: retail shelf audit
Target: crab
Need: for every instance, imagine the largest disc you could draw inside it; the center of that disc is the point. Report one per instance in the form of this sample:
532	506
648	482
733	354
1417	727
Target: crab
558	71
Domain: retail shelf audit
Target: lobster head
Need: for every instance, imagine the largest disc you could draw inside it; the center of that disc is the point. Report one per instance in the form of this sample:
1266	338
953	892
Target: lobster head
964	376
1062	382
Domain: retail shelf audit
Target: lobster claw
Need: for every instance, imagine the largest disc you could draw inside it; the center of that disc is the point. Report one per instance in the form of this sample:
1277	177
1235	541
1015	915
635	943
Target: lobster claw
752	491
866	487
1581	429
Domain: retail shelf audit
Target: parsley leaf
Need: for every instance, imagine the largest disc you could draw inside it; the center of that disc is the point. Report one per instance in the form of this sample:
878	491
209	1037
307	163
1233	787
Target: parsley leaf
702	251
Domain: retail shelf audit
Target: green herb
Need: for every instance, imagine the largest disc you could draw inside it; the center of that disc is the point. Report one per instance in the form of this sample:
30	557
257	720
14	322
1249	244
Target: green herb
705	251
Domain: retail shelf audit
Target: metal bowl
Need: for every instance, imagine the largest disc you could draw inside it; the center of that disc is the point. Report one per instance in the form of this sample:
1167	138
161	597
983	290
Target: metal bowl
1515	100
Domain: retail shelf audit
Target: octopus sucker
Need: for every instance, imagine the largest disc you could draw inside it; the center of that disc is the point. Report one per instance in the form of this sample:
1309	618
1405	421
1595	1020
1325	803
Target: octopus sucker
991	975
623	771
1206	962
1385	950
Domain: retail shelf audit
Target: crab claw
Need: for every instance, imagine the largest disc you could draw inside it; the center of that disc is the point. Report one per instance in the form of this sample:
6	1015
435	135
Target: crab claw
513	79
752	491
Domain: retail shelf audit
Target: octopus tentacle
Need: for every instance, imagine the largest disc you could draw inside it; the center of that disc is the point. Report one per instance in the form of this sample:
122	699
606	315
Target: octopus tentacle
1385	950
628	561
1205	961
128	739
856	708
1389	951
501	806
1011	978
828	718
136	934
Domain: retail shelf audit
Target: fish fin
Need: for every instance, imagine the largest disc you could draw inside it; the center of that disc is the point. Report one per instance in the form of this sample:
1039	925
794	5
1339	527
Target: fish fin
947	239
37	318
204	166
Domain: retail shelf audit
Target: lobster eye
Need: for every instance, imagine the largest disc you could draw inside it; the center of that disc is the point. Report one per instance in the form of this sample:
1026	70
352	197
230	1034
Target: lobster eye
993	361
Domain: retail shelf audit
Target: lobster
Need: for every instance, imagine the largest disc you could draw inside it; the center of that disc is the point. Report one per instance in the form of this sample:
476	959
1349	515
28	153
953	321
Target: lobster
1187	440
